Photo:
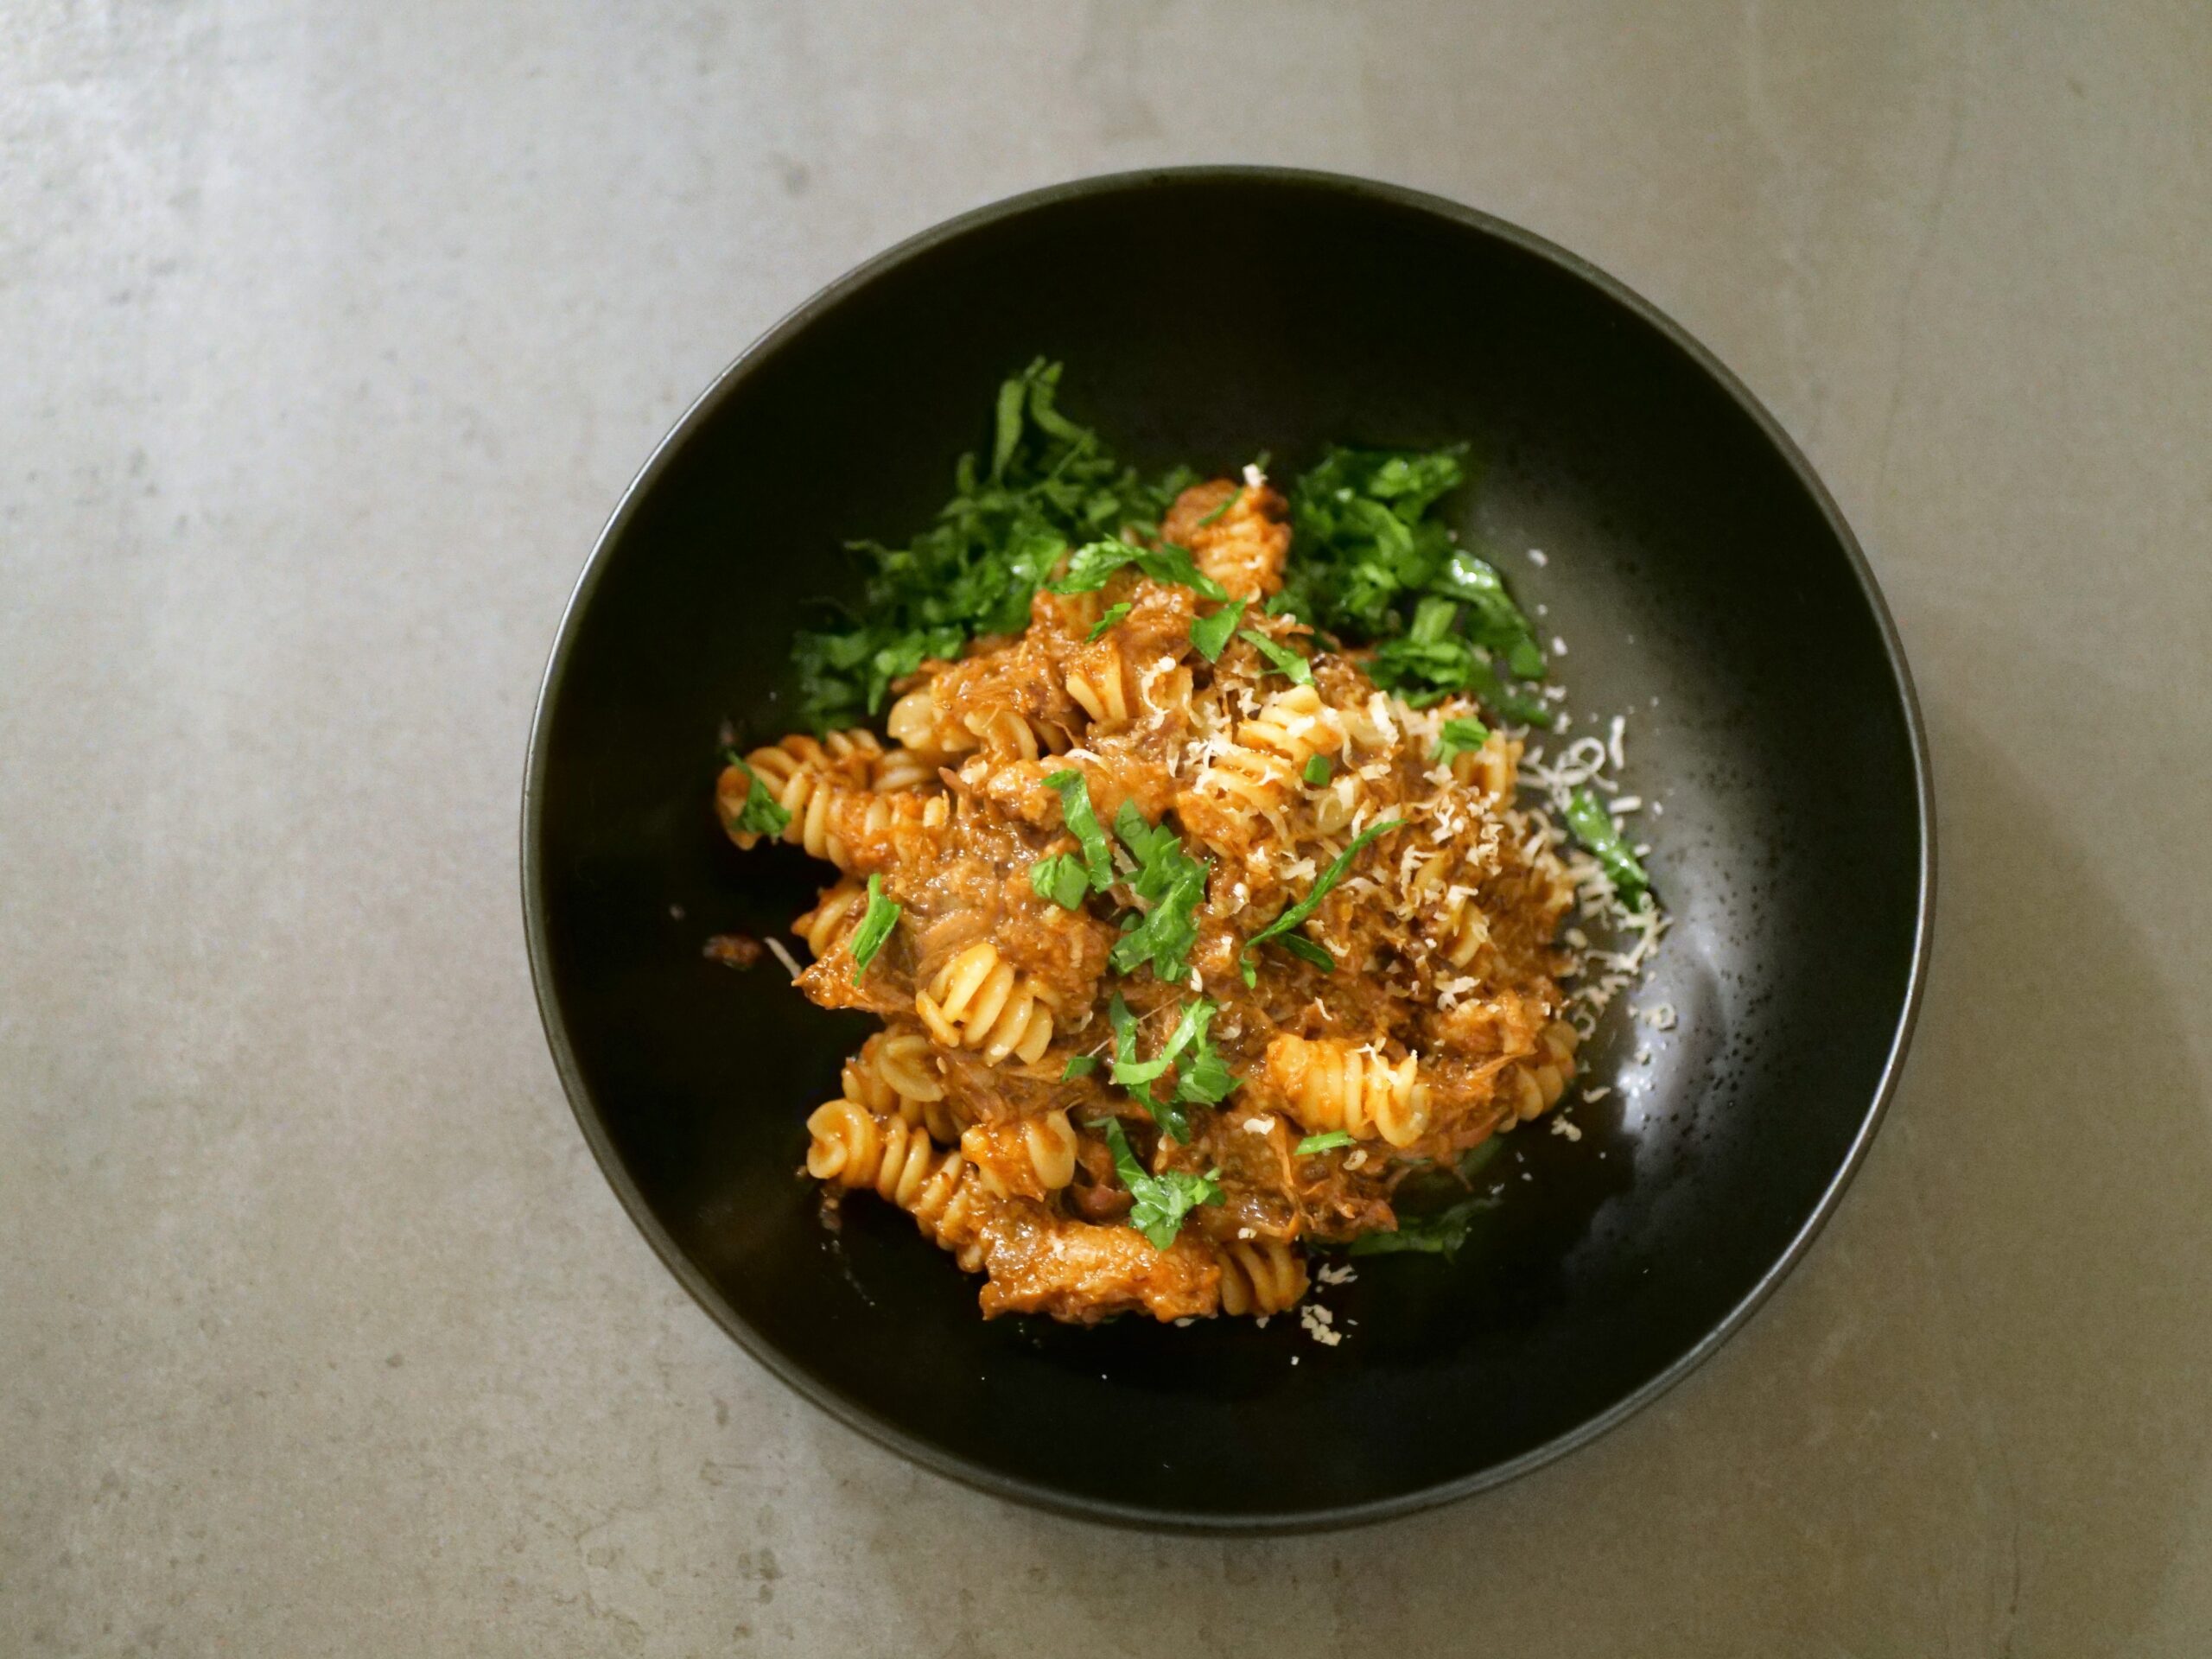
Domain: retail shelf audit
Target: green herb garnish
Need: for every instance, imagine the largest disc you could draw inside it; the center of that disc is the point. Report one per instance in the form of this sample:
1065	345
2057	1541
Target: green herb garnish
1051	486
1295	914
1090	566
1170	885
1082	823
1594	828
759	815
1061	879
1494	621
1288	661
1136	1075
1459	737
1078	1065
1162	1201
1431	660
1317	770
1210	634
1364	536
875	927
1113	613
1227	502
1326	1142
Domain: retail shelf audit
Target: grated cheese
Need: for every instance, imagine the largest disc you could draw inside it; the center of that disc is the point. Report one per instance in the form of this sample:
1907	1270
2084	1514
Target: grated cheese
776	949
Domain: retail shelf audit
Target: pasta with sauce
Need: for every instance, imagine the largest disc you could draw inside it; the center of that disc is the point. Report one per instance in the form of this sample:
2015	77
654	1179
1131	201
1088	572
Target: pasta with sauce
1194	933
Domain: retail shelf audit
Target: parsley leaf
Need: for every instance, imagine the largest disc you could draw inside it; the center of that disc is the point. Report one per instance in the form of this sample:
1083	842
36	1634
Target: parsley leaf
1162	1201
1078	1065
1051	486
1082	823
1113	613
1061	879
1430	661
1293	915
875	927
1317	770
1594	828
1090	566
1136	1075
1442	1234
1210	634
1364	536
759	815
1288	661
1459	737
1227	502
1172	884
1495	620
1328	1142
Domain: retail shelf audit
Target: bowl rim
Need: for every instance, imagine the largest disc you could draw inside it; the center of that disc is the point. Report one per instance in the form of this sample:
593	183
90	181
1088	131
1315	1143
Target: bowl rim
890	1436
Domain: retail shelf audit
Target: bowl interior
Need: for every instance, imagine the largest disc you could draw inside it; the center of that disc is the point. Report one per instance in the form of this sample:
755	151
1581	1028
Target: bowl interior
1703	592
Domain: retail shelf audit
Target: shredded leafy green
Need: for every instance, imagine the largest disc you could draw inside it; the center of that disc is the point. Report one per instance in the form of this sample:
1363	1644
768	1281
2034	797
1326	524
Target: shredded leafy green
1170	885
1367	545
1061	879
1294	915
1210	634
1090	566
875	926
1227	502
1317	770
1136	1075
1078	1065
1444	1233
1459	737
1327	1142
1082	823
1051	486
1162	1201
1288	661
759	815
1113	614
1594	828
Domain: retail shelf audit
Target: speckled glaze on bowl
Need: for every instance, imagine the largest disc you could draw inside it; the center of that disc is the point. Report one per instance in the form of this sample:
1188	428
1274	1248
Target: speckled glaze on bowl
1707	588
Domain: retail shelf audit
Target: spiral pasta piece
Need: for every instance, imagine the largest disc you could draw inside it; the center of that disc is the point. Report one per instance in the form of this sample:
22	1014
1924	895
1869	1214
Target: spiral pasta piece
836	913
1529	1087
1023	1157
978	1001
895	1075
921	720
1271	750
1101	686
1326	1084
901	768
835	814
1260	1277
856	1148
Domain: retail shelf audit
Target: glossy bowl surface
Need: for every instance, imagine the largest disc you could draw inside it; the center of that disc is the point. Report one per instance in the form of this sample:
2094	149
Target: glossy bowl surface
1707	588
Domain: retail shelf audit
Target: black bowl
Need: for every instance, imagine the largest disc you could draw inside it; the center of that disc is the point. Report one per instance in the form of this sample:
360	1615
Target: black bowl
1705	585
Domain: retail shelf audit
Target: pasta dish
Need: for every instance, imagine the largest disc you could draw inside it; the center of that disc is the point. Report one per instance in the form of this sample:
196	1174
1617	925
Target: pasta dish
1191	878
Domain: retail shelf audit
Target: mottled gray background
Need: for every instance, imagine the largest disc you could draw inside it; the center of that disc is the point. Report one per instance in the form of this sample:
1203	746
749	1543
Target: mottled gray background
332	332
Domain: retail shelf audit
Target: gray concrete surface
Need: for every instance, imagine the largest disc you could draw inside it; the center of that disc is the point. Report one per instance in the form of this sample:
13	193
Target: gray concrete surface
332	332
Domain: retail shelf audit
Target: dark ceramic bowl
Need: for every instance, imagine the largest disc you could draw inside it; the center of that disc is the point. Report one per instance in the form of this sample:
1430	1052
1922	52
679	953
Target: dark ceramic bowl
1705	583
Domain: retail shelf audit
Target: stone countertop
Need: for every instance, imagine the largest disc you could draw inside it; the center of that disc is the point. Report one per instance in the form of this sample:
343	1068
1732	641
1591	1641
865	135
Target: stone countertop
334	331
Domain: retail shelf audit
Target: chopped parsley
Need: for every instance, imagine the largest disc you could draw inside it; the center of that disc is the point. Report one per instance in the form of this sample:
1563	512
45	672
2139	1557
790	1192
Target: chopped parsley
1317	770
1170	885
1082	823
1061	879
1051	486
1294	915
1289	662
1210	634
1594	828
1227	502
759	815
1443	1233
1113	613
1460	737
1361	524
1430	661
875	927
1090	566
1202	1076
1327	1142
1494	622
1078	1065
1162	1201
